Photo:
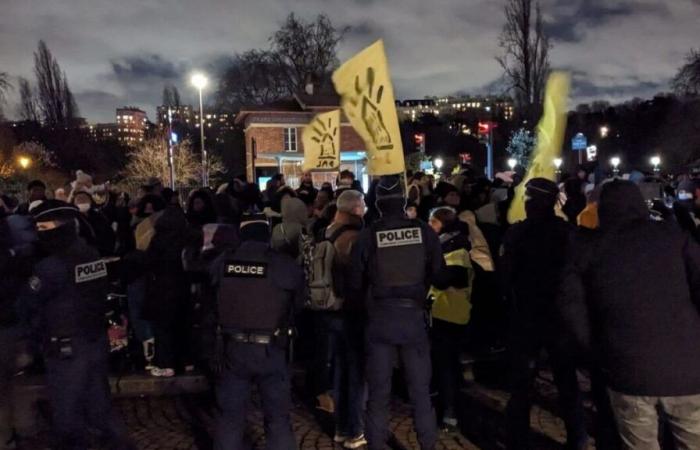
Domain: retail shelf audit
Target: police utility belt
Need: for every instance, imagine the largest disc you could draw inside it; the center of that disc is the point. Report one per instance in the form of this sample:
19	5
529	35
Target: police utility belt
243	337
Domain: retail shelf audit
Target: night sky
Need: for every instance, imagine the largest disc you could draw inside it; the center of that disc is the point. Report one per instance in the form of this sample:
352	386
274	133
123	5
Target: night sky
118	52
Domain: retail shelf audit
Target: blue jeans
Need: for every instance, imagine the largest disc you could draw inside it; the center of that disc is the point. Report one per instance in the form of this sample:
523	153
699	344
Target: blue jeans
345	337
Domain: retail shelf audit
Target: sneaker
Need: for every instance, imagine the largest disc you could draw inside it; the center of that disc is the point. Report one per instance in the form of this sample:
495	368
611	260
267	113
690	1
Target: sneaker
326	403
340	438
356	442
449	426
164	373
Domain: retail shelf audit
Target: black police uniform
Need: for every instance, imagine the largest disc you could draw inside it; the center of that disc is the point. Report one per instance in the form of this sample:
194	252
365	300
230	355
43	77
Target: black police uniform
258	289
396	259
66	295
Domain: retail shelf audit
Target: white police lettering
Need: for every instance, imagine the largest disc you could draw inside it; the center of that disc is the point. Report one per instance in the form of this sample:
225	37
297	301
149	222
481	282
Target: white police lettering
90	271
402	236
245	269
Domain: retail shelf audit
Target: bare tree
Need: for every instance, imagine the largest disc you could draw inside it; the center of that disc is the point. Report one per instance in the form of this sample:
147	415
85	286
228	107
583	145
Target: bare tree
687	80
525	58
4	87
149	160
254	78
306	49
27	102
171	96
54	97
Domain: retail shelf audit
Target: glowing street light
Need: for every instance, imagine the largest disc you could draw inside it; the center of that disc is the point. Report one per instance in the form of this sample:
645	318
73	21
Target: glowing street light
438	163
199	81
558	162
656	162
604	131
615	162
24	162
512	162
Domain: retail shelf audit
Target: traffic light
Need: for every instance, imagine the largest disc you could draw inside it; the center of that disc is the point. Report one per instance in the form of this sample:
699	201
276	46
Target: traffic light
419	140
484	128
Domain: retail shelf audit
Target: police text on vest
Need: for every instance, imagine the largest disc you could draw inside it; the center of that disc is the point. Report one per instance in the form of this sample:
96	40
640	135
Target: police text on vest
90	271
245	269
402	236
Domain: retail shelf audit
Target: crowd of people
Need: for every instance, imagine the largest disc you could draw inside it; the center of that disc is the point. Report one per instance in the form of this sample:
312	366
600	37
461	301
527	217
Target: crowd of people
601	277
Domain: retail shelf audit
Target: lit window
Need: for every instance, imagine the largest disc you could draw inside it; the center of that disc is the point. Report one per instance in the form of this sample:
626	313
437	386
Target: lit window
290	139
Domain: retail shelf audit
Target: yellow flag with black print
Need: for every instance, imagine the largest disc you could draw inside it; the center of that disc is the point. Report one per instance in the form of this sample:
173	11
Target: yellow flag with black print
367	98
550	139
321	140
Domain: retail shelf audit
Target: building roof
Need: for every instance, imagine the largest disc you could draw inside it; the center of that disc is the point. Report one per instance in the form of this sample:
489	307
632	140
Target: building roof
301	102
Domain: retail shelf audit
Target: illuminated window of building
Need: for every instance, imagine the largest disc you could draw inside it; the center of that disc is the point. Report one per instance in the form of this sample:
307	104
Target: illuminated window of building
290	139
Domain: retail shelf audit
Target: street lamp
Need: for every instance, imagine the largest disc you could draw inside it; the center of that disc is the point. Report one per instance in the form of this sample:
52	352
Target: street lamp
604	130
615	162
438	163
557	163
199	81
512	162
24	162
656	162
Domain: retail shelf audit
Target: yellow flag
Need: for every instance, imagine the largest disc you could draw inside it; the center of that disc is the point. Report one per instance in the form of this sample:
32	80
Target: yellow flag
550	138
321	140
364	85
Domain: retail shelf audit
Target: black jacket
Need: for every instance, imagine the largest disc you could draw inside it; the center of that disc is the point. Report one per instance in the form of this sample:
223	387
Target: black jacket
534	252
631	294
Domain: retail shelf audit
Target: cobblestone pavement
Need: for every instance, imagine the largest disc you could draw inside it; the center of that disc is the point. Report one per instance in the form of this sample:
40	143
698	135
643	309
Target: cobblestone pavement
185	421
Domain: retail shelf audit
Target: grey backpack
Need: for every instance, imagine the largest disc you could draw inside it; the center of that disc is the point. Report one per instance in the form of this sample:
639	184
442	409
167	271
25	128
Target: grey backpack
319	258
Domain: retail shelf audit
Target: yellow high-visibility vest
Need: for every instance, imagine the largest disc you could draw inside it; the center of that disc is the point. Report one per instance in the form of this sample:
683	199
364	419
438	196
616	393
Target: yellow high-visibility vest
455	305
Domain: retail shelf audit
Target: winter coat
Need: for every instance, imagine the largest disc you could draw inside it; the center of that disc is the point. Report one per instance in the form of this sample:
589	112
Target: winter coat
286	236
534	253
166	283
453	304
342	265
631	294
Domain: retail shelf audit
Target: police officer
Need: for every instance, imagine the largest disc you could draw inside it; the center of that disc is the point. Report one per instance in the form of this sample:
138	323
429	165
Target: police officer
397	259
66	296
534	255
258	290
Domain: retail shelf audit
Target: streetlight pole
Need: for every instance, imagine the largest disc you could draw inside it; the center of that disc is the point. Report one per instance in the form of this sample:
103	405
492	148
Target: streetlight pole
200	81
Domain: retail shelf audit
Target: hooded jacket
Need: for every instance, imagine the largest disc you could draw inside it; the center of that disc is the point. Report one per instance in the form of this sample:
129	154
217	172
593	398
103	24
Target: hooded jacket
286	236
630	295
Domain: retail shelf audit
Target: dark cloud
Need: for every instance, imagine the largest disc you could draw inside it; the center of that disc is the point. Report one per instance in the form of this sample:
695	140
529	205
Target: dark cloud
588	15
146	67
124	52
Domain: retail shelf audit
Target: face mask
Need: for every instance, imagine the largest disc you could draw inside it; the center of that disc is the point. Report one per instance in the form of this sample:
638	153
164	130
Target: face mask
57	239
83	207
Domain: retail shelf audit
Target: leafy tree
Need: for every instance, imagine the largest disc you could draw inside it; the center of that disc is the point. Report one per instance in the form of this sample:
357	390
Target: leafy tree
522	143
687	80
525	58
